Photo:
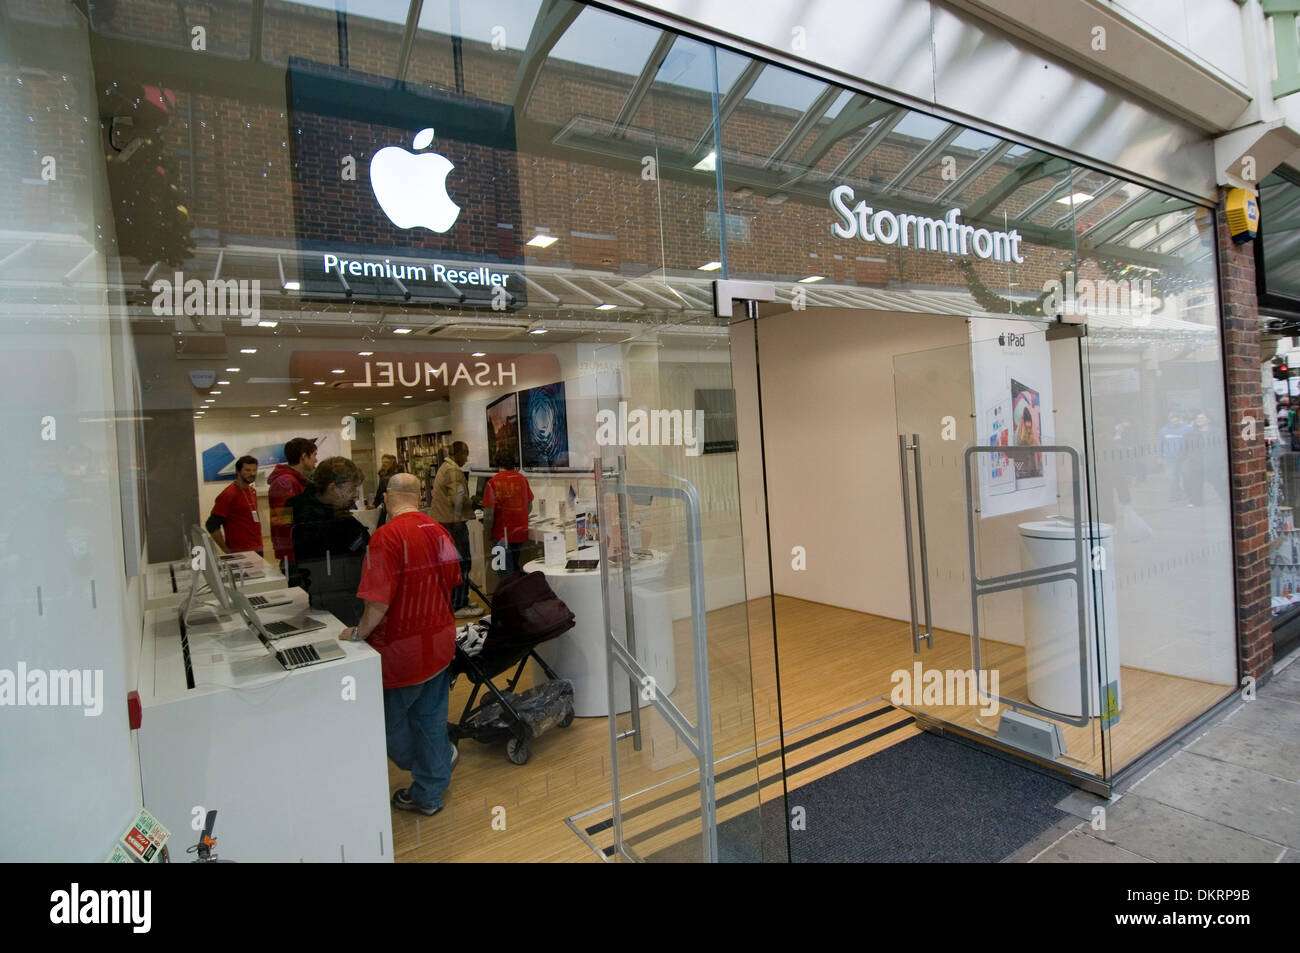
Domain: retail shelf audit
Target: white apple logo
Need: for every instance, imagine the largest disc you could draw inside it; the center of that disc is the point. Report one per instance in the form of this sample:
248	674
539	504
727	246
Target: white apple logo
412	188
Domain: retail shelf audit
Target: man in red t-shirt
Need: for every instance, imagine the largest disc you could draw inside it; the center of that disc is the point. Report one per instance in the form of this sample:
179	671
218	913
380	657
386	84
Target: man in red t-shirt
410	570
507	499
234	523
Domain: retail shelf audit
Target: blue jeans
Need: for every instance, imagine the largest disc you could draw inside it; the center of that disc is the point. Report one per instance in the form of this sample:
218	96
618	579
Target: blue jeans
415	719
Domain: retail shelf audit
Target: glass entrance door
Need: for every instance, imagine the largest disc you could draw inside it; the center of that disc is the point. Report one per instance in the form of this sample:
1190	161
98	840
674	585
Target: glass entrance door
675	662
1011	592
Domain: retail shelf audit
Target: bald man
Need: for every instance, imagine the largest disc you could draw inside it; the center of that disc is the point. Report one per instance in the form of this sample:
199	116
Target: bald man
410	570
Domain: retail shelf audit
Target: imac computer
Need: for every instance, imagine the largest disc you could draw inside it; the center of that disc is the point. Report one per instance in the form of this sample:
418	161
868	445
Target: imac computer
205	581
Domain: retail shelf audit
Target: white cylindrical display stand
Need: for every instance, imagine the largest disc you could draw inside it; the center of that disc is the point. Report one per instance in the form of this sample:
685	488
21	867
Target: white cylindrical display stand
1051	616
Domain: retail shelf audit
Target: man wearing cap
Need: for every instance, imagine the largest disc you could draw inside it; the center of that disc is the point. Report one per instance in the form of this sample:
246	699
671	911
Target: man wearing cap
410	570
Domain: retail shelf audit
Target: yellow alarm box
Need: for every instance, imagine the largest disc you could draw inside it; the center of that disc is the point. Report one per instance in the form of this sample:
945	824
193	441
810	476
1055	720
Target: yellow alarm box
1242	209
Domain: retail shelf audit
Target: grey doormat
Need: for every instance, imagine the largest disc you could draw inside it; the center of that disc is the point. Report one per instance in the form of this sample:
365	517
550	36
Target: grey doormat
925	799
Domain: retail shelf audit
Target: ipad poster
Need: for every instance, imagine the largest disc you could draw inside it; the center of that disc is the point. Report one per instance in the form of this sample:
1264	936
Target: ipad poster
1012	372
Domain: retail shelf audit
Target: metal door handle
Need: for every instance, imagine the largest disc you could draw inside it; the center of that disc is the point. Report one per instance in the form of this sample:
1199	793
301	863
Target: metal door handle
915	448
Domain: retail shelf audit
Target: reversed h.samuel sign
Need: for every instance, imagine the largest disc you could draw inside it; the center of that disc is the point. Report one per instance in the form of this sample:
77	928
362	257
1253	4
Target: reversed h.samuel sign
926	234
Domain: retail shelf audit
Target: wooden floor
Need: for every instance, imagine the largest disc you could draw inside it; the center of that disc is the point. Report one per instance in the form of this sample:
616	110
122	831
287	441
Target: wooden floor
835	668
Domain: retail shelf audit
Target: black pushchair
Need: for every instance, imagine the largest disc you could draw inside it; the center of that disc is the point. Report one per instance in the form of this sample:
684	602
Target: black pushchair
525	613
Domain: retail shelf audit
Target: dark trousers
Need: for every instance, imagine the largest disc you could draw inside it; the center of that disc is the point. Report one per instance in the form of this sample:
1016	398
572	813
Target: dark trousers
460	536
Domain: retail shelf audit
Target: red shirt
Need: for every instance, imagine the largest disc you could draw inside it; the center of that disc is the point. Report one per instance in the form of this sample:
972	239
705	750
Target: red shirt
411	566
509	496
284	484
237	506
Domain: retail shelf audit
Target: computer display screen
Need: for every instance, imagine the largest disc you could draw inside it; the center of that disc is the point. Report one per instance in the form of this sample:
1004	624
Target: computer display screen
210	566
503	432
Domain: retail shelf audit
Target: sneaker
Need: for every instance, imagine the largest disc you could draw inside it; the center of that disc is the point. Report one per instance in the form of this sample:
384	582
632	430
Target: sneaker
469	612
402	801
455	757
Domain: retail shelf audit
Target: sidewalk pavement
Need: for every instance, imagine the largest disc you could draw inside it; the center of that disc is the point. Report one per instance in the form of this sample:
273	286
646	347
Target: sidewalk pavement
1231	793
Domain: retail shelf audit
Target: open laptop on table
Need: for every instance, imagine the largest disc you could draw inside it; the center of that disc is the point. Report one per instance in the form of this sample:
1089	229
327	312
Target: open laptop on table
268	600
299	656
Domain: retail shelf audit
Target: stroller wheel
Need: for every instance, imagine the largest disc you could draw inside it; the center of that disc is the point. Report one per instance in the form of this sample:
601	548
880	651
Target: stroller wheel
566	719
518	751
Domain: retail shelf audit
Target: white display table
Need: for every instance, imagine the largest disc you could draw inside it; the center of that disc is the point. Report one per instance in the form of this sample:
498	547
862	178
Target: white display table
579	655
295	762
166	584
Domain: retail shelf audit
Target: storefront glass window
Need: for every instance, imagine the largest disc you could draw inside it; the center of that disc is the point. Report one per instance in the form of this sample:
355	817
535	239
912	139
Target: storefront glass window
449	241
846	215
1279	195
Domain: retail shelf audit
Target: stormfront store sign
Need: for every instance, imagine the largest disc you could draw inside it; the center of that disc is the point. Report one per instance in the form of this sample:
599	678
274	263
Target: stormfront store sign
947	234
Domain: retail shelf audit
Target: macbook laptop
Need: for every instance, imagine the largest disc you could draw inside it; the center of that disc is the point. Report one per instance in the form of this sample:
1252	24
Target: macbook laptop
298	656
265	601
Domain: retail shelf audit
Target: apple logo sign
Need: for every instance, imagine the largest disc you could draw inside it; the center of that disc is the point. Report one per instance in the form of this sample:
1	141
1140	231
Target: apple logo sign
411	187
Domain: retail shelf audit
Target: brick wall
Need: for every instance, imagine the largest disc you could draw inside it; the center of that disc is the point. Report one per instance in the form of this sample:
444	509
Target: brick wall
1249	493
247	187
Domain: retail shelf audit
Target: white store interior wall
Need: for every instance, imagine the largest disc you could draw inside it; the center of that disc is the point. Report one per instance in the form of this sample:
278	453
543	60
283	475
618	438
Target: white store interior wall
828	382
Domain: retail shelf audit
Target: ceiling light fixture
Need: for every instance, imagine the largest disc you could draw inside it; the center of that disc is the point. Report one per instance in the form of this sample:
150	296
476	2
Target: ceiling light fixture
606	307
1075	199
711	266
248	350
708	163
542	240
401	330
811	278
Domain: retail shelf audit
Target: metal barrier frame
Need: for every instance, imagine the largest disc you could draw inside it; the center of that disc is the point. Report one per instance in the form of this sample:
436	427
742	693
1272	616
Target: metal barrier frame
697	737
